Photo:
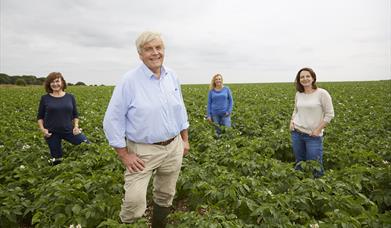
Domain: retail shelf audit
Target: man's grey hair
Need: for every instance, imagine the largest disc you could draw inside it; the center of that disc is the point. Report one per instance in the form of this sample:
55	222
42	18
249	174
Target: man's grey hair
146	37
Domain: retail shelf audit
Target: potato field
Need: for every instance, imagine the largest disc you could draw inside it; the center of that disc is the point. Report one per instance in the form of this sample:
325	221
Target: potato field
245	178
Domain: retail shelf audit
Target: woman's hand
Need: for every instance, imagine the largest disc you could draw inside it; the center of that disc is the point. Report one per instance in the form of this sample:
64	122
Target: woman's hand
292	126
76	130
46	133
227	114
210	119
316	132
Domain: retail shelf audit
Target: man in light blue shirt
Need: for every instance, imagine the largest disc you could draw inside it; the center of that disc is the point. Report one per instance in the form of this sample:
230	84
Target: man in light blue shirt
146	123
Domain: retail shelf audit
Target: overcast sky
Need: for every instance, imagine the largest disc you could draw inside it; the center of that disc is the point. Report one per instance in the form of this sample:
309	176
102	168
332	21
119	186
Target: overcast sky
244	40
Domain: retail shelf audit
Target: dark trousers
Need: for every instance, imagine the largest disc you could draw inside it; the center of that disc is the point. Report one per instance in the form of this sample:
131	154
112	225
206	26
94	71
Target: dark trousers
54	142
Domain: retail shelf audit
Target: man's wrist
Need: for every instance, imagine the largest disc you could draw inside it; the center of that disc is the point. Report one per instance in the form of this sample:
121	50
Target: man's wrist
121	151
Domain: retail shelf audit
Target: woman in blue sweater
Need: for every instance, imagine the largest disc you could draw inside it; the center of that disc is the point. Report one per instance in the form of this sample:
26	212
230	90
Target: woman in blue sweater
220	103
58	117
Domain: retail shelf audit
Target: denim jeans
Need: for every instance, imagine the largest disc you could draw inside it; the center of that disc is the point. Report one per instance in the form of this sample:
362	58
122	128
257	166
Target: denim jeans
54	142
221	120
306	148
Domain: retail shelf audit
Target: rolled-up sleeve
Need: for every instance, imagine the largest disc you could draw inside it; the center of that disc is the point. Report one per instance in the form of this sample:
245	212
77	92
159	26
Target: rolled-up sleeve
114	122
327	106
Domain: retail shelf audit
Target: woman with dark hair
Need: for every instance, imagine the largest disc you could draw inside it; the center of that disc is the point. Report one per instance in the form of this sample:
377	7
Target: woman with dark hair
58	116
312	112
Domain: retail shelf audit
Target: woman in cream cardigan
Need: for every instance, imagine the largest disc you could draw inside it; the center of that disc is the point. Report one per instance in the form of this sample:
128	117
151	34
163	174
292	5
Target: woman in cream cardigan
312	112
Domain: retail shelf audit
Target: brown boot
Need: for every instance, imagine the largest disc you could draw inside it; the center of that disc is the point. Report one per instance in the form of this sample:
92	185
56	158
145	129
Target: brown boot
159	216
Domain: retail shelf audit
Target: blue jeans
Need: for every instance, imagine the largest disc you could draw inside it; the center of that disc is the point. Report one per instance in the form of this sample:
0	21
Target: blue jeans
54	142
221	120
306	148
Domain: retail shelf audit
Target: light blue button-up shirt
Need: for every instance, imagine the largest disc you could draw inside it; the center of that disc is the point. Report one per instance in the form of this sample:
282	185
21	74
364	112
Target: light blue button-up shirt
145	109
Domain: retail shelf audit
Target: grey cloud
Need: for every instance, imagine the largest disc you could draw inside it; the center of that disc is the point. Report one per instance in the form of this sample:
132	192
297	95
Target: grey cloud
91	39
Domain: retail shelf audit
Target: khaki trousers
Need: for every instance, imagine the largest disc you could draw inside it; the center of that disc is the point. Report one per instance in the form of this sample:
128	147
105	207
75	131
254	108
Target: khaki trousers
167	161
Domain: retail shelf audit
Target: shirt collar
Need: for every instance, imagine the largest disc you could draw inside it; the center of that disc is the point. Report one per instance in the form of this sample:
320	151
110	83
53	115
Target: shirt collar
149	74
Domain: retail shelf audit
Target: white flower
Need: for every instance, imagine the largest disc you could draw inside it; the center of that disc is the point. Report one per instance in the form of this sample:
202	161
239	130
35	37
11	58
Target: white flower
22	167
77	226
25	147
385	162
316	225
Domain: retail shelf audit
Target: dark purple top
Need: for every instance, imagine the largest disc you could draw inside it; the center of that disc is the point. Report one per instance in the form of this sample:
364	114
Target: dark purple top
58	112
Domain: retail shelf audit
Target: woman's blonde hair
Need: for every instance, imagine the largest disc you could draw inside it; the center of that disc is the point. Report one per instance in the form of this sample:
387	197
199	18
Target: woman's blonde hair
212	82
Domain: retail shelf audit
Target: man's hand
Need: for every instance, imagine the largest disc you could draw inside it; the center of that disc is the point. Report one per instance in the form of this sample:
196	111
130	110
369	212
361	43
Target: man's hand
186	147
185	139
131	160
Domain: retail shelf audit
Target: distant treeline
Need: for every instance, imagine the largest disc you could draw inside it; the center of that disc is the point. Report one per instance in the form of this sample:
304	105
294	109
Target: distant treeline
26	80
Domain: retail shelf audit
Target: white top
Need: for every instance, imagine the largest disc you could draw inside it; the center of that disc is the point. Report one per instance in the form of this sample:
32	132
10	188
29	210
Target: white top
311	109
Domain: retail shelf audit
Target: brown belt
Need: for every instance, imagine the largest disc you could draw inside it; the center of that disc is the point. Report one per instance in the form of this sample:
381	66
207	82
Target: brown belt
165	143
